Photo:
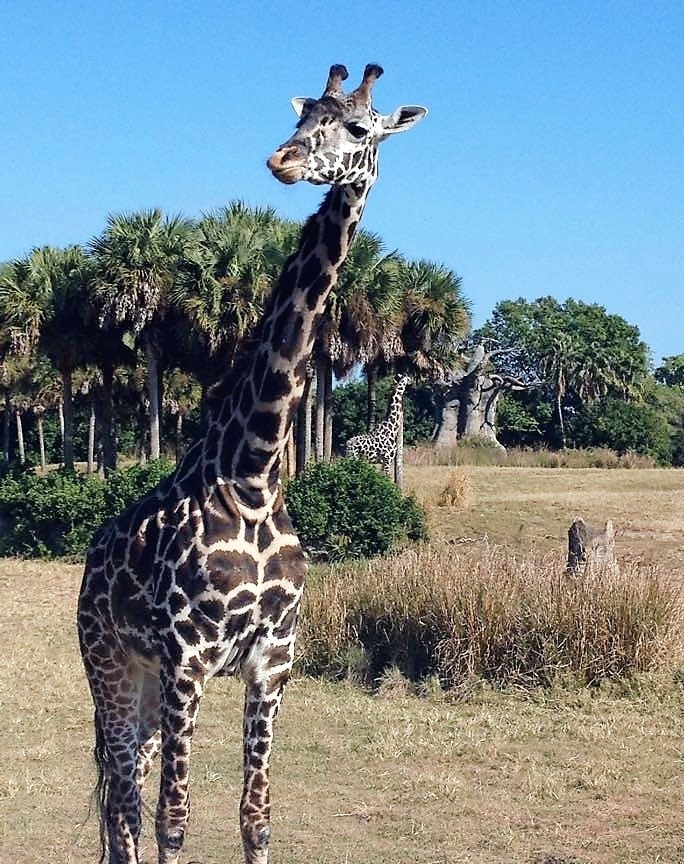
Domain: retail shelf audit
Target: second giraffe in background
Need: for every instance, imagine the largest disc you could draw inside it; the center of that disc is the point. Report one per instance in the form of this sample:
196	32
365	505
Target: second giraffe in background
380	444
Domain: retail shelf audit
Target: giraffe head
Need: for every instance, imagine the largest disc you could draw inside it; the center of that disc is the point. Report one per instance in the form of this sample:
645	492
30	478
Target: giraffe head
337	135
401	382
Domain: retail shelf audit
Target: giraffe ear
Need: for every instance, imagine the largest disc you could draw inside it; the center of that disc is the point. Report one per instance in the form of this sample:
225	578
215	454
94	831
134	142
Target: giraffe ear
403	118
301	104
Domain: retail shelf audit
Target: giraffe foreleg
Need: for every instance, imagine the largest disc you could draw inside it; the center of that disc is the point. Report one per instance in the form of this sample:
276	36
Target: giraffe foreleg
181	691
263	695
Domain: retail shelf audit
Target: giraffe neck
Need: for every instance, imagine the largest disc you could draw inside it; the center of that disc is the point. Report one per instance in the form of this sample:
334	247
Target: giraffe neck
395	407
254	407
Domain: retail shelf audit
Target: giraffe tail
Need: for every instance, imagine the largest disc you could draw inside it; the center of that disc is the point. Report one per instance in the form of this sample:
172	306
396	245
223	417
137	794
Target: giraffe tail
101	791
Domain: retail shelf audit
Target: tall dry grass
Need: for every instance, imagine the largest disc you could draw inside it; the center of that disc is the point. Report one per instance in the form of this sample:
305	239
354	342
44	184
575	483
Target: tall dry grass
456	492
480	452
467	614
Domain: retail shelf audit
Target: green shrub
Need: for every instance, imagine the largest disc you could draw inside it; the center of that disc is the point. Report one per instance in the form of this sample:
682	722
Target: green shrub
627	426
126	486
348	509
49	515
56	514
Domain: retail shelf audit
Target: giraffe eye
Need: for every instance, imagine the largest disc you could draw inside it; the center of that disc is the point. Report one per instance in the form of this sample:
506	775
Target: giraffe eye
356	130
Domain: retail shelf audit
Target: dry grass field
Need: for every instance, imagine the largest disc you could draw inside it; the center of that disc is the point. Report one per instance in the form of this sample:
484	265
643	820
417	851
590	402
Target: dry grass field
532	508
546	778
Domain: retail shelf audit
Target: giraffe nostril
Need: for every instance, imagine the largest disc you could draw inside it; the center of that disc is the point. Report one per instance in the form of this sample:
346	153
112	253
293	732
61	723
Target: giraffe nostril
293	153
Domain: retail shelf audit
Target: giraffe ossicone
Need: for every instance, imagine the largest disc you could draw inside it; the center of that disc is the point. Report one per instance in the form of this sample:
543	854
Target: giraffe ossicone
203	575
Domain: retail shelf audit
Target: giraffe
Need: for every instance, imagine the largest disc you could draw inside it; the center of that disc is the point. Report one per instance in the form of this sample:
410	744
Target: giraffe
203	575
380	444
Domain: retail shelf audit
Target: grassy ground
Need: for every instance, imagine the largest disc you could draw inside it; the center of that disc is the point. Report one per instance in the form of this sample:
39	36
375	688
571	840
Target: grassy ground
532	508
548	779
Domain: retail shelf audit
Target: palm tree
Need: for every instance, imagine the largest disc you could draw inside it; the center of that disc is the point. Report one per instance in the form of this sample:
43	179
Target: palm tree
435	320
111	353
88	383
557	365
137	260
131	407
436	316
221	286
44	305
49	396
18	379
39	382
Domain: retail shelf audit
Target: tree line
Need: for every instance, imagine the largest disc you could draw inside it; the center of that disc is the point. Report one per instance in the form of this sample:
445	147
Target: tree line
132	329
141	321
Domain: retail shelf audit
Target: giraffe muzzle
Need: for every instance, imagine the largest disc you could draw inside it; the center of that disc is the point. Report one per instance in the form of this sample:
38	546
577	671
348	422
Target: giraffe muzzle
288	163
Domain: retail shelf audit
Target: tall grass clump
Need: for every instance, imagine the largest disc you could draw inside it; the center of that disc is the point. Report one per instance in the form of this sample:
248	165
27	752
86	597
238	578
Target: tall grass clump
456	492
484	614
468	451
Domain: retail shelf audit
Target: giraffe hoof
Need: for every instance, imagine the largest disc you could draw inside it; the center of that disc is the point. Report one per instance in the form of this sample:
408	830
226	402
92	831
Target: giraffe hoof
256	844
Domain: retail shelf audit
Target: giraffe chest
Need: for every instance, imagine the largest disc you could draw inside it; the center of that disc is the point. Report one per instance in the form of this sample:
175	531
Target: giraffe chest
201	587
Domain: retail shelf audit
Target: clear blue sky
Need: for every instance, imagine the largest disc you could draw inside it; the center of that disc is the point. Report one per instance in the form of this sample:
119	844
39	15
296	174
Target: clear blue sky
552	161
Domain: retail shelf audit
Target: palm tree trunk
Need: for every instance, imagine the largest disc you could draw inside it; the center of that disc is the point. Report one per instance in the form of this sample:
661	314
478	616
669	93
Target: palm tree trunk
179	436
41	441
6	426
320	410
20	437
304	427
91	438
68	406
329	404
559	408
142	433
152	380
108	440
60	412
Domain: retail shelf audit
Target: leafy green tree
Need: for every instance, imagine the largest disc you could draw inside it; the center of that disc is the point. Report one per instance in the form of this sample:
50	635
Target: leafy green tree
577	350
628	427
524	418
137	260
668	400
672	371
